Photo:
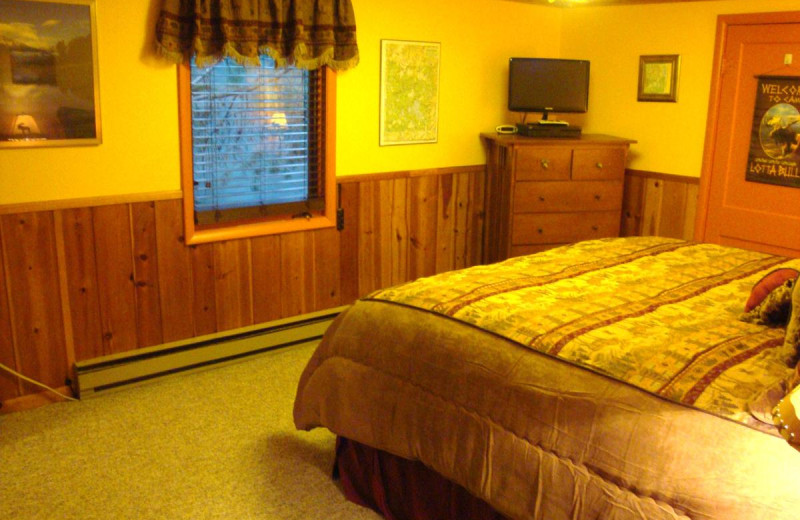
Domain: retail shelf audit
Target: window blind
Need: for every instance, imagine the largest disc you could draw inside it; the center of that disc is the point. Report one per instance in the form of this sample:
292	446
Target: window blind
257	145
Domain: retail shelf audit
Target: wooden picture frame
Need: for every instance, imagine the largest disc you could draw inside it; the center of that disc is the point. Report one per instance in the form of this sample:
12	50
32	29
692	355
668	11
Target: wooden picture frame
409	102
49	89
658	77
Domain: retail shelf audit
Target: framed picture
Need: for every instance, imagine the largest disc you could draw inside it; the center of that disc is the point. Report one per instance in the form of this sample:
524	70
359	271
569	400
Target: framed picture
49	92
774	156
409	92
658	77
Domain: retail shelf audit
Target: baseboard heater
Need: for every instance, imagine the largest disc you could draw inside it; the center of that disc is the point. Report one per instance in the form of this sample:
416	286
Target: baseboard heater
95	376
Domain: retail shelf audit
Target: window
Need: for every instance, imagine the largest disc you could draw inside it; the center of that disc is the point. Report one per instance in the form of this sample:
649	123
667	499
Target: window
256	149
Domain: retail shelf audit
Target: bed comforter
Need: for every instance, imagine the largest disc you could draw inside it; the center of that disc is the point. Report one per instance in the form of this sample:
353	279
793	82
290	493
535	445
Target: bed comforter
606	380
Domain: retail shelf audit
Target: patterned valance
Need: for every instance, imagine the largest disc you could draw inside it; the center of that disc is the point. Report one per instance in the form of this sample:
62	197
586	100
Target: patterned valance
304	33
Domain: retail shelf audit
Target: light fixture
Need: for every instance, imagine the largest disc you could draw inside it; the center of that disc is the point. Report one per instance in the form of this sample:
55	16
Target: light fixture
279	119
24	128
786	419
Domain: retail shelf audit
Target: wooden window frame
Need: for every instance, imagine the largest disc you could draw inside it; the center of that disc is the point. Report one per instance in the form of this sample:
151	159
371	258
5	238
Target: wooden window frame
326	219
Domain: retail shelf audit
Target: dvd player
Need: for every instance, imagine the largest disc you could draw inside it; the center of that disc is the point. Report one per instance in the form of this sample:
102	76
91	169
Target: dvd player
537	130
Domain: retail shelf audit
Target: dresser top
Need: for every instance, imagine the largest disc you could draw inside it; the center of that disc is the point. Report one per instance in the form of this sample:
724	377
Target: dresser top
589	139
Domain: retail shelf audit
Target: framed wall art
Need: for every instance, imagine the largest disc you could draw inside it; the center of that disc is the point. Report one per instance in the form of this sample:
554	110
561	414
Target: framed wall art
658	77
409	92
49	92
775	132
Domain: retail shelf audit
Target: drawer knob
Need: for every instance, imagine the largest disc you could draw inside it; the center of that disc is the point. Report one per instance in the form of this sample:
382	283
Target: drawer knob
540	230
595	228
545	164
597	196
599	165
541	198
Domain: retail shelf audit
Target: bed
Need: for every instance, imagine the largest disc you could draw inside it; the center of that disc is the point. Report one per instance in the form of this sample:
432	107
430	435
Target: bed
611	379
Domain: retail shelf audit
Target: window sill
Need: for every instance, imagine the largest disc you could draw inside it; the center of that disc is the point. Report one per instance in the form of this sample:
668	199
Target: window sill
204	236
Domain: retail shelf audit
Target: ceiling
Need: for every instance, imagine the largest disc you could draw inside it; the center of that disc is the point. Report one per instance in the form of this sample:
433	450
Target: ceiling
576	3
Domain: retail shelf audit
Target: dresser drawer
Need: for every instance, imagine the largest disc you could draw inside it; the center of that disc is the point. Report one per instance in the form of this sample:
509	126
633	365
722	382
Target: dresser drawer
535	197
598	163
558	228
535	163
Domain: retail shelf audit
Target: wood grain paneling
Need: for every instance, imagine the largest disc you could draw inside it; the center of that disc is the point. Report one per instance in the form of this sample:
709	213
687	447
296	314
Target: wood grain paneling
63	289
659	204
113	248
204	296
130	280
9	385
31	266
295	271
233	284
461	220
145	274
123	276
397	238
326	269
445	224
423	224
266	253
174	272
386	263
632	205
476	219
368	236
81	273
348	238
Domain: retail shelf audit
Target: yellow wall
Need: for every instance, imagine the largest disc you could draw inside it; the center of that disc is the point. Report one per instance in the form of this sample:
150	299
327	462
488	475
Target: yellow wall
138	107
139	153
477	37
670	135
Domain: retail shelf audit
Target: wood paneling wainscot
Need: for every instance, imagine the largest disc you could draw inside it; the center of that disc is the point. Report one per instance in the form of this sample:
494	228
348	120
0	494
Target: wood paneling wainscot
109	275
82	279
659	204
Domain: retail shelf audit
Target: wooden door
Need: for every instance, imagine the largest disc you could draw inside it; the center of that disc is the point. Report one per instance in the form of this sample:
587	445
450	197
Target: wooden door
731	210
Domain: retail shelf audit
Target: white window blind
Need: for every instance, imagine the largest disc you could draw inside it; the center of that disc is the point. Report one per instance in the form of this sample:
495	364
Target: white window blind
257	145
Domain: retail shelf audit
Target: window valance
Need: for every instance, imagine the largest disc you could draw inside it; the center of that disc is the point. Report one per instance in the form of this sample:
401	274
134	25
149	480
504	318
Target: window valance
304	33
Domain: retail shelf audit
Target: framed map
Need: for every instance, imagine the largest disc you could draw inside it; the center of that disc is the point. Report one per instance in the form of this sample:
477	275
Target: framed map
409	92
658	78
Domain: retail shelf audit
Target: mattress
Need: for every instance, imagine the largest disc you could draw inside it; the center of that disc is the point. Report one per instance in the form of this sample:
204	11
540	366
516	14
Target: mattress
610	379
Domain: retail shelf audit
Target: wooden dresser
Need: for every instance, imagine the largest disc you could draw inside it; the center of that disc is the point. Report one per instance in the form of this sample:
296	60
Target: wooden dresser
545	192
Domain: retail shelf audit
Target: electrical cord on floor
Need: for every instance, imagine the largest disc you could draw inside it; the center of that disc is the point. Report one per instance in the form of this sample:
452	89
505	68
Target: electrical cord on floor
37	383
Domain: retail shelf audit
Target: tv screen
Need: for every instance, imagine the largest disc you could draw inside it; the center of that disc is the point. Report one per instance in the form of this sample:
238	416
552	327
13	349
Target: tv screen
548	85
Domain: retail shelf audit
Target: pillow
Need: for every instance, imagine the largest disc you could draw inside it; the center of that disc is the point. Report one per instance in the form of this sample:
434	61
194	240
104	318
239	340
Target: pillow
775	309
767	283
770	301
791	342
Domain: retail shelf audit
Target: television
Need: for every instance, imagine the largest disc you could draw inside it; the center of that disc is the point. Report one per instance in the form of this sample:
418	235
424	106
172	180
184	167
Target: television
548	85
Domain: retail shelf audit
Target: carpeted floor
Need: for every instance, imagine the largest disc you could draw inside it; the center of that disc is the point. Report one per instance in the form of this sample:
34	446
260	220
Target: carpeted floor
218	444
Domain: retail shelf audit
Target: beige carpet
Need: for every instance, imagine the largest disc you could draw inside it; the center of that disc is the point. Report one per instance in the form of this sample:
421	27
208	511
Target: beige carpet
215	444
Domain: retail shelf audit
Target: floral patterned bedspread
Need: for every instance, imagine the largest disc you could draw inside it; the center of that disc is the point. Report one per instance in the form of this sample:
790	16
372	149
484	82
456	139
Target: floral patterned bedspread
659	314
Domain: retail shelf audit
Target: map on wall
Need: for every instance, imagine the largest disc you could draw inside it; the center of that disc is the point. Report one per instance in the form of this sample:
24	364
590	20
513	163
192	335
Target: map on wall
409	92
775	140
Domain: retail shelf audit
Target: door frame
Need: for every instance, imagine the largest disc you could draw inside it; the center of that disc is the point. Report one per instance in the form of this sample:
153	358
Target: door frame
724	23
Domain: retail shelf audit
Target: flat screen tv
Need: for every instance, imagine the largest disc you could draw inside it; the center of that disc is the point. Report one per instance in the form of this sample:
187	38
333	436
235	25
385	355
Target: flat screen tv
548	85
